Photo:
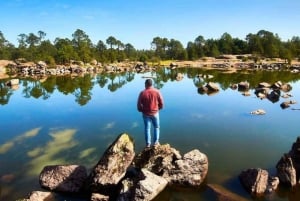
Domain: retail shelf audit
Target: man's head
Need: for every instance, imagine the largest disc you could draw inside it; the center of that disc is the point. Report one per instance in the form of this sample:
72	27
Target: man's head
148	83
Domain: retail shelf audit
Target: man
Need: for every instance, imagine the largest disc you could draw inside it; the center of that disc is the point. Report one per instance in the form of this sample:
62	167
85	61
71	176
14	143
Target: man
150	101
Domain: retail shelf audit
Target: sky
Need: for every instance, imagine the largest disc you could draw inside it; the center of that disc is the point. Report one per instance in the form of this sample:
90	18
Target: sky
139	21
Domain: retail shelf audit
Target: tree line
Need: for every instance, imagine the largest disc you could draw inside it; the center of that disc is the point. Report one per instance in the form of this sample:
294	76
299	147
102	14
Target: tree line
35	47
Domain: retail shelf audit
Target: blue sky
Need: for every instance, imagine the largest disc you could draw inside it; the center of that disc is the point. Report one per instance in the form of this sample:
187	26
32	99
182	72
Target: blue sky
139	21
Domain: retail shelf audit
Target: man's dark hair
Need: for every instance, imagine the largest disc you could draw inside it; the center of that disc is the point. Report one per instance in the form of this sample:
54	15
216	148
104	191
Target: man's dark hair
148	83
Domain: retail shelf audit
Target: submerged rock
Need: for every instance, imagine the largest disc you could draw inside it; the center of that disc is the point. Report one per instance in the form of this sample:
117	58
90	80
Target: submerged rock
223	194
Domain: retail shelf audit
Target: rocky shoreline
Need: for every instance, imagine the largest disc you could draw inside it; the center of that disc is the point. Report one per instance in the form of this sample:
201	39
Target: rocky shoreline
230	63
122	175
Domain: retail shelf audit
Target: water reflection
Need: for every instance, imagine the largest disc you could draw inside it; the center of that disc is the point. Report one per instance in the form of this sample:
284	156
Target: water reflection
71	120
81	86
4	148
61	141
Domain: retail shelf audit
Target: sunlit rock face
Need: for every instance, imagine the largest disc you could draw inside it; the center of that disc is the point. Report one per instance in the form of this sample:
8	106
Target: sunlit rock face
142	185
113	164
189	170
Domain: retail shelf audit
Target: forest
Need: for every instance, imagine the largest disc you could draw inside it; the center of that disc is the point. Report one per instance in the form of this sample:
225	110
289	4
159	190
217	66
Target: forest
35	47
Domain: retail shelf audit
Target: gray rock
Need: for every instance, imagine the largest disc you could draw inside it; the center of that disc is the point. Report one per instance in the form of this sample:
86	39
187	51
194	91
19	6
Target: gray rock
167	162
63	178
157	159
112	166
145	186
190	171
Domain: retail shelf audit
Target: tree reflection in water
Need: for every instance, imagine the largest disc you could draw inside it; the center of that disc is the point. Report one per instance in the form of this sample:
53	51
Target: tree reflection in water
81	86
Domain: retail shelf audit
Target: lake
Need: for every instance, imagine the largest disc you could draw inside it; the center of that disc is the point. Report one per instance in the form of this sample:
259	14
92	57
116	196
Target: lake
72	120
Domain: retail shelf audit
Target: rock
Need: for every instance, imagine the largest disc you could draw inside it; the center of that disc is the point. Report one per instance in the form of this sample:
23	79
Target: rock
223	194
277	85
209	89
63	178
234	86
286	171
99	197
12	82
295	155
40	196
179	76
264	85
273	184
254	180
42	64
286	87
112	166
173	65
242	86
287	95
156	159
189	170
246	93
144	186
285	105
258	112
202	90
274	96
261	92
212	86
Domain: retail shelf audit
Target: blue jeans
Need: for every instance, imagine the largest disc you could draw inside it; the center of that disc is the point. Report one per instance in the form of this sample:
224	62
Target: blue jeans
154	120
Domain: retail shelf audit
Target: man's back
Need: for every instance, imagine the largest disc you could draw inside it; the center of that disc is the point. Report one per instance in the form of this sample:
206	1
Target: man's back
150	101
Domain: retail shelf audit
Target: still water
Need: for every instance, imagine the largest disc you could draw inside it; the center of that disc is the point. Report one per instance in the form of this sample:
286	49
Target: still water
64	120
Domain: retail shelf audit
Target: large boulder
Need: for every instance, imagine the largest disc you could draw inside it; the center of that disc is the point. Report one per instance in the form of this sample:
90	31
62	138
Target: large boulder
295	155
64	178
142	186
258	182
286	171
113	164
288	167
189	170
